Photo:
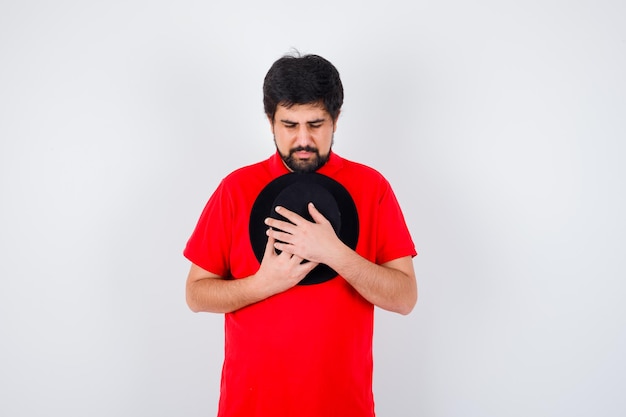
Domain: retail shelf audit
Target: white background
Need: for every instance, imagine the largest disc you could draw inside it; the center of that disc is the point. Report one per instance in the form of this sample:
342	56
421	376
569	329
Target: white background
500	124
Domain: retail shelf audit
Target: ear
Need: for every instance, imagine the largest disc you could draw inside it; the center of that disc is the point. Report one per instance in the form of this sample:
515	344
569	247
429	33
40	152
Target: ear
269	119
335	122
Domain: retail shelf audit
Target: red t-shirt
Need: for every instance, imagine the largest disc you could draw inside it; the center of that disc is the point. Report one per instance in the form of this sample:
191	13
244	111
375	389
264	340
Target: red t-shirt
306	352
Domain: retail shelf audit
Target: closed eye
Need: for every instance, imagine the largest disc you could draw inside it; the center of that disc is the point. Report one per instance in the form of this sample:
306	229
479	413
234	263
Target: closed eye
316	123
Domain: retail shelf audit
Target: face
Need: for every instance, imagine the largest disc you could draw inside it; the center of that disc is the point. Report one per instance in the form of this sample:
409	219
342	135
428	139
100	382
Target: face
303	135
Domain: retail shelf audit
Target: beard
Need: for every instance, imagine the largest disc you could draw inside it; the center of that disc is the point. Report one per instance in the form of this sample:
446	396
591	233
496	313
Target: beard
301	166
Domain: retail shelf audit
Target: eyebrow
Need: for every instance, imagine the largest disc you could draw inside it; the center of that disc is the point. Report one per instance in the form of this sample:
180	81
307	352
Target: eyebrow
290	122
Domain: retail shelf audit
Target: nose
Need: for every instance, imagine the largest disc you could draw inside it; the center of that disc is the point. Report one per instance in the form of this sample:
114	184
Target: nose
303	136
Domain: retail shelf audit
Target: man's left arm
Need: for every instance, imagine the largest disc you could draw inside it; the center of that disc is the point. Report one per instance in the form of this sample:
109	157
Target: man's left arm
391	286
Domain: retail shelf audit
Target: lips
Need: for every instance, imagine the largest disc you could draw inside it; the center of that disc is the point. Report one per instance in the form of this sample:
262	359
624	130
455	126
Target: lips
304	152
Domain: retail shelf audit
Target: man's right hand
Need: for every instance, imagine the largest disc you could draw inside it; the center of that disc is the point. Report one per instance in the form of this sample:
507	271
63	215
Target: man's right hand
207	291
281	271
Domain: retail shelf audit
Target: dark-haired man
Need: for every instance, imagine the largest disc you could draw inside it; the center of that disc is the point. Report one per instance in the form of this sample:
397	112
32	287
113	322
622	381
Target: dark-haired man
300	350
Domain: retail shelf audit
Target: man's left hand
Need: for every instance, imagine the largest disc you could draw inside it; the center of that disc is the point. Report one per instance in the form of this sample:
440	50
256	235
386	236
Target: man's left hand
314	241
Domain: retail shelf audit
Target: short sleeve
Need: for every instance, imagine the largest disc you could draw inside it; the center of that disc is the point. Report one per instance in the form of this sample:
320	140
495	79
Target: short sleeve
209	244
394	239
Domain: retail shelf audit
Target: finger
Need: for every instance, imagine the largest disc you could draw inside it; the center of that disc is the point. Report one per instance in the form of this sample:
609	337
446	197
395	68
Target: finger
303	264
280	236
280	225
308	267
269	246
294	218
284	248
296	259
316	215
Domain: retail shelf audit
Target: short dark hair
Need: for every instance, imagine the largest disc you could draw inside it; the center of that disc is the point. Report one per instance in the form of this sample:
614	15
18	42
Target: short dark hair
307	79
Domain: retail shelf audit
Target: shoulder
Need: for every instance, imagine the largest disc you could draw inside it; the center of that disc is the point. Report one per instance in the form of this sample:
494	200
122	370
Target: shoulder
246	171
362	168
245	183
361	173
247	176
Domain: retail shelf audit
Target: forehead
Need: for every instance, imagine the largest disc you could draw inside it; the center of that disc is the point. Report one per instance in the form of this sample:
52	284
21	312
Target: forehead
301	112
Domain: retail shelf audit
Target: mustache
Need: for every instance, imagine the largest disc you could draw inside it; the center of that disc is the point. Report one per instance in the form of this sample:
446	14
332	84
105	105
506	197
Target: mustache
303	149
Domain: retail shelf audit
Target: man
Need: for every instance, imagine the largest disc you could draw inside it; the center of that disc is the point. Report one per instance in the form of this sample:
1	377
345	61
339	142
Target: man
300	350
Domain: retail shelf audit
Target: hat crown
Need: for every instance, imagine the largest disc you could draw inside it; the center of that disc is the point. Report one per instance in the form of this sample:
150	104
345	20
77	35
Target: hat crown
297	196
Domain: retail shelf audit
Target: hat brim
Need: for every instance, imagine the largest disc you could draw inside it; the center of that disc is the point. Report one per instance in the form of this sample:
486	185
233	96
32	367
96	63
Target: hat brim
265	203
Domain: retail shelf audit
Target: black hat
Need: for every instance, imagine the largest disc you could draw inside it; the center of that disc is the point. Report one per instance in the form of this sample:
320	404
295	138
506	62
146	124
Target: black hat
295	191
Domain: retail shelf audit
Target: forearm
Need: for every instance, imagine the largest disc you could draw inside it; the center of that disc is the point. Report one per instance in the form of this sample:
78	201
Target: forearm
217	295
208	292
391	286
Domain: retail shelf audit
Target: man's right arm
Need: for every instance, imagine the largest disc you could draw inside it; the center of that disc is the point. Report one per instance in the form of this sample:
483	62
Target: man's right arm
209	292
